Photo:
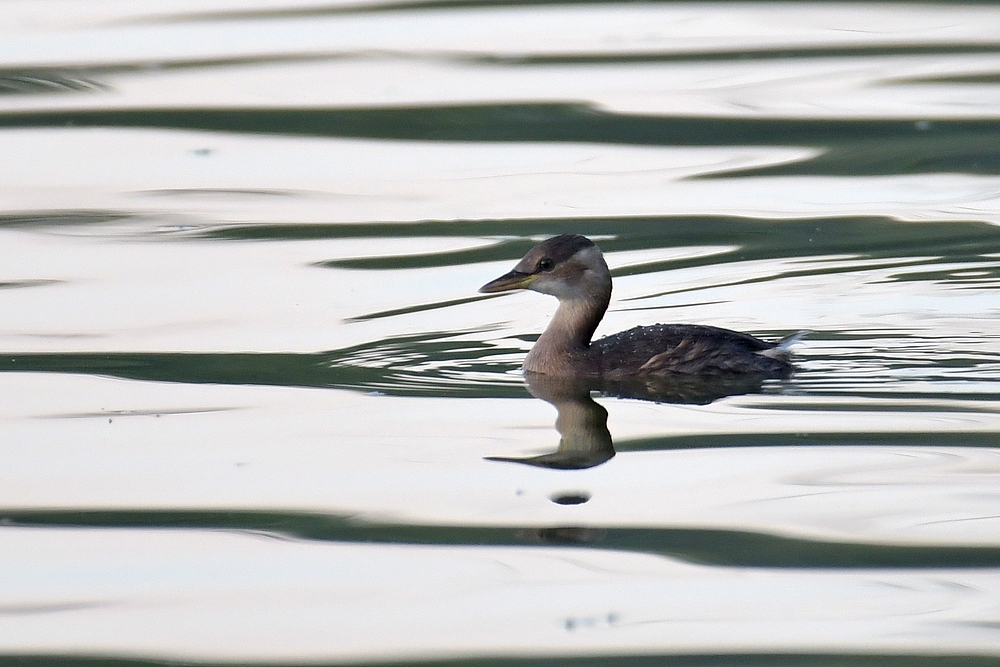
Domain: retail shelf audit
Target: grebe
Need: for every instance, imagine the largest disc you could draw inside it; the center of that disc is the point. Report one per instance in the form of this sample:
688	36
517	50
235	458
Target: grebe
572	269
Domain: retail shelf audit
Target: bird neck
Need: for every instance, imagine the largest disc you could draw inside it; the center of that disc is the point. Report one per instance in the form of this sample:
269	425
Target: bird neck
564	346
575	321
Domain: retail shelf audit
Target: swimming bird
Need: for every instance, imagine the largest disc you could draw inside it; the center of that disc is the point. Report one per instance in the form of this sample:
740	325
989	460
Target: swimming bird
571	268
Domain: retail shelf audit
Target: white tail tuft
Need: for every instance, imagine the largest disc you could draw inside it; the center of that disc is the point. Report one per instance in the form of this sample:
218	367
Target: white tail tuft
783	348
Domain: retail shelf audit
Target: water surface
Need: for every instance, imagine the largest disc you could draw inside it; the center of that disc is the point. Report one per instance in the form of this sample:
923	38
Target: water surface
255	411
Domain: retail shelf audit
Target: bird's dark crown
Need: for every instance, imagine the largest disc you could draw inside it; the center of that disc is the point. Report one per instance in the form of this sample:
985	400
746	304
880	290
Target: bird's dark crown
557	250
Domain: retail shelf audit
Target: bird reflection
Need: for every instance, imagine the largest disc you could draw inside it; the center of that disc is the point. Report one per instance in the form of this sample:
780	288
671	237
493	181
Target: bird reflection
585	440
582	423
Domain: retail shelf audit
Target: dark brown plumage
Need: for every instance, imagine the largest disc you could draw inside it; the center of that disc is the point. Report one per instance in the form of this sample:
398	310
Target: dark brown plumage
685	348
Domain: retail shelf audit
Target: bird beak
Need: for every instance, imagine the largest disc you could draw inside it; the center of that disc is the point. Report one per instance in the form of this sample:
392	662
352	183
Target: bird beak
509	281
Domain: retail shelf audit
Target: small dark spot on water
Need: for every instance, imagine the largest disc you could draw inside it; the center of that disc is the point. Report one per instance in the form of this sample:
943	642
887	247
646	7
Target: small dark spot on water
202	152
109	420
590	621
570	498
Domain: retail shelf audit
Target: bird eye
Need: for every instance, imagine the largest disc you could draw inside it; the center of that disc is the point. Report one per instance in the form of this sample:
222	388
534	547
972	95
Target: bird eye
545	264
